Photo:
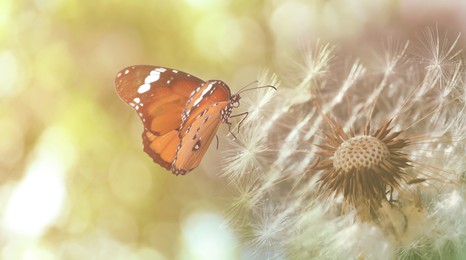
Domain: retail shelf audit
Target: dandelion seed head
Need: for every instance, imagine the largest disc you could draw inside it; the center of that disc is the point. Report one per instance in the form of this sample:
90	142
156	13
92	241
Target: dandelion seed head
246	152
438	54
361	168
390	59
242	204
360	152
268	231
317	64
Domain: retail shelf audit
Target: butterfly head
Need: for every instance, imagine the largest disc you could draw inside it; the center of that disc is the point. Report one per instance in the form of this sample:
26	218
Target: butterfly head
225	113
234	100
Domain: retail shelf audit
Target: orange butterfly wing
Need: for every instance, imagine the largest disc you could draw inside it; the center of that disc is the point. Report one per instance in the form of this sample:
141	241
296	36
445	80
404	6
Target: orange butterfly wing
200	120
159	96
204	96
161	148
180	113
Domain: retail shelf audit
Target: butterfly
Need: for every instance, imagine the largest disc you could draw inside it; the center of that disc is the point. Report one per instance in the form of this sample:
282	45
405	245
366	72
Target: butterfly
180	113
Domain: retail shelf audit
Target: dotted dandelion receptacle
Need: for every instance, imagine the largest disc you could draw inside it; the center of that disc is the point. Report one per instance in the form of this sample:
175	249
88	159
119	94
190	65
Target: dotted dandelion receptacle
367	162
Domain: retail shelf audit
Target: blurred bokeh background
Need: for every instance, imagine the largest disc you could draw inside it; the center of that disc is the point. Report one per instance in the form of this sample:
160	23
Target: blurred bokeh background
74	181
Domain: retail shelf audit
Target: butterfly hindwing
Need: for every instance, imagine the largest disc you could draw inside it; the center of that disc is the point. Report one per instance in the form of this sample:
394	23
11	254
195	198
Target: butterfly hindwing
158	94
201	118
162	149
197	138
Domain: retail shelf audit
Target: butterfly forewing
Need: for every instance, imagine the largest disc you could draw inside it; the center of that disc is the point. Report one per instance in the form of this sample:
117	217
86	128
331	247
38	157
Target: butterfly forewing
158	94
212	93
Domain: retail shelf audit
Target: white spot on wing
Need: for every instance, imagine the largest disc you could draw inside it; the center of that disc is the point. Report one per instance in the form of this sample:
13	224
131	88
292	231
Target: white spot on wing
144	88
152	77
161	69
174	71
126	71
137	100
205	91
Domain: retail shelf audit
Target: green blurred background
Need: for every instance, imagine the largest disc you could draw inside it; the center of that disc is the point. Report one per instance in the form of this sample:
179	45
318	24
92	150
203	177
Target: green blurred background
74	181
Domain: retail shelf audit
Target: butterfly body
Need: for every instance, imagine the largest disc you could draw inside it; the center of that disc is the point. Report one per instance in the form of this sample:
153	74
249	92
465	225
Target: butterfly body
180	113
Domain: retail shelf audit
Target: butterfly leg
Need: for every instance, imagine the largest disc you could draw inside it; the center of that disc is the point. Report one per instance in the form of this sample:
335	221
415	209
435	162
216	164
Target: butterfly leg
244	114
229	129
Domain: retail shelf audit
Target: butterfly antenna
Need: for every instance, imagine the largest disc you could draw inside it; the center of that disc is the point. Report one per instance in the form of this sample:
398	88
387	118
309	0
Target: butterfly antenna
216	137
241	89
247	89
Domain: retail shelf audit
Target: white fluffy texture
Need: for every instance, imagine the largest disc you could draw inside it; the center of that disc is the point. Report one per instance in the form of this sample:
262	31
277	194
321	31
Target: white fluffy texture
423	94
248	151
